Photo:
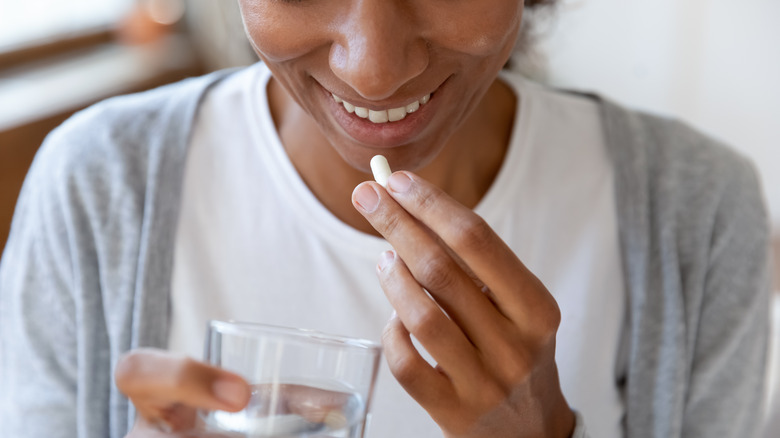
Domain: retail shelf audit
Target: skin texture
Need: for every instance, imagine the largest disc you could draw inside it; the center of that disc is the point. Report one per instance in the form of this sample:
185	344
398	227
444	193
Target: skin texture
496	374
495	353
346	48
167	389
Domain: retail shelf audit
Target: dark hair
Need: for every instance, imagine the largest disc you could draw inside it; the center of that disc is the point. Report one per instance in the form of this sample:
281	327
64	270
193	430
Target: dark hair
535	3
535	11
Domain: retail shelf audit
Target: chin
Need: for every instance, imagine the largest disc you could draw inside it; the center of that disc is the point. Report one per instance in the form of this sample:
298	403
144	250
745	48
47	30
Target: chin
411	156
407	157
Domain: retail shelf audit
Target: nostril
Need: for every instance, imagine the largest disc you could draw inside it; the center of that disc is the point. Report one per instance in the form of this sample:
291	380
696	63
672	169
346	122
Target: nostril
377	73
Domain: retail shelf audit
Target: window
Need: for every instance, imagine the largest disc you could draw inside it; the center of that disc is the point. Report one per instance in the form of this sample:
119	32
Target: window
25	22
58	56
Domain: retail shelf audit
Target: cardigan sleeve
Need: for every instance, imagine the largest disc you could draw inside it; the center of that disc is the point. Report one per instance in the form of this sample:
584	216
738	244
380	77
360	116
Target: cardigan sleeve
38	359
85	273
64	253
726	386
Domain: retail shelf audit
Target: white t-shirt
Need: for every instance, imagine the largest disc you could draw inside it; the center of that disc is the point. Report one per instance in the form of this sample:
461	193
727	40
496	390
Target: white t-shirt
254	244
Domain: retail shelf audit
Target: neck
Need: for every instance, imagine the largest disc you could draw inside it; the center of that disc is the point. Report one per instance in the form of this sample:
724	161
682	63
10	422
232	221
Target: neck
465	168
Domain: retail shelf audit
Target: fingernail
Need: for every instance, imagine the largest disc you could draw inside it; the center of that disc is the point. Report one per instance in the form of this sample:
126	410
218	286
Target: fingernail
385	259
399	182
366	198
393	316
231	392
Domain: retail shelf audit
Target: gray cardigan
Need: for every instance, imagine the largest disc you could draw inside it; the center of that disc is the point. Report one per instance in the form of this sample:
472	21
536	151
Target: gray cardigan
86	274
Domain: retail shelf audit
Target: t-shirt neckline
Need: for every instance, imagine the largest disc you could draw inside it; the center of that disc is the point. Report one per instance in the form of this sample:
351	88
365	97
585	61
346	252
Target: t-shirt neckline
321	220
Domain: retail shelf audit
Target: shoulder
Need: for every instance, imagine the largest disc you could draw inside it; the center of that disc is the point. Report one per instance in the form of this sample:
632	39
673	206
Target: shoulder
688	199
96	172
674	165
115	148
125	129
669	148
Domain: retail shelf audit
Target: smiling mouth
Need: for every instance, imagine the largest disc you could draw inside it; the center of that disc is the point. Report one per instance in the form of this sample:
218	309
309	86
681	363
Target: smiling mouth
383	116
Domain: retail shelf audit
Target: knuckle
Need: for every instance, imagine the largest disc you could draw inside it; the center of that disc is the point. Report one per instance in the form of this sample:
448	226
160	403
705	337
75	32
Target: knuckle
547	323
437	272
427	200
425	322
553	320
391	224
404	369
473	233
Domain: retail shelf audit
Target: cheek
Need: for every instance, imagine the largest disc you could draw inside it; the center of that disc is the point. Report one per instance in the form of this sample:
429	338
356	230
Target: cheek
478	28
274	29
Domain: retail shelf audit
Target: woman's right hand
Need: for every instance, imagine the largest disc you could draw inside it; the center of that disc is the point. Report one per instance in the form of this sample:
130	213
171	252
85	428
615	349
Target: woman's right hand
167	390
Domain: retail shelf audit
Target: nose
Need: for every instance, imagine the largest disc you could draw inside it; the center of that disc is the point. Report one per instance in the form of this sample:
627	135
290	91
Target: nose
378	48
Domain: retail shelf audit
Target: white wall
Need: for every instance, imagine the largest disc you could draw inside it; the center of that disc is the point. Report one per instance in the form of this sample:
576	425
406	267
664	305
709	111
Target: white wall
713	63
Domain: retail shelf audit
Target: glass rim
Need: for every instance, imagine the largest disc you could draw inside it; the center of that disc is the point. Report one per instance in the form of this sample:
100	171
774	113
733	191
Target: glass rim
299	334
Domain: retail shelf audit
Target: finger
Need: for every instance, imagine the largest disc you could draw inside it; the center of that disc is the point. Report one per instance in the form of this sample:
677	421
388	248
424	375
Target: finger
314	404
461	264
166	422
472	239
157	380
465	268
428	386
317	405
430	264
420	315
146	429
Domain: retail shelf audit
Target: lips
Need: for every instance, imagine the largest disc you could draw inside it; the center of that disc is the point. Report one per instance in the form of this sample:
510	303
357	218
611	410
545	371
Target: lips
386	127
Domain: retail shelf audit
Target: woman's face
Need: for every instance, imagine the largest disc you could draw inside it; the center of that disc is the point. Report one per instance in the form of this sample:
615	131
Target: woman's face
385	56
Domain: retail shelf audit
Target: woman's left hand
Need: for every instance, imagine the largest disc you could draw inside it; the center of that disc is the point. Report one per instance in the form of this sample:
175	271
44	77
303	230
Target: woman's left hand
488	322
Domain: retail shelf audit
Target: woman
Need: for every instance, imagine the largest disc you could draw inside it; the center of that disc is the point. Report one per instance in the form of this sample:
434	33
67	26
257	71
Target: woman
603	272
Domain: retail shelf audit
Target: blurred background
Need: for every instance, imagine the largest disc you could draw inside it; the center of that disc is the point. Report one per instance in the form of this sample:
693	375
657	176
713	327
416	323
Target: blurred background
713	63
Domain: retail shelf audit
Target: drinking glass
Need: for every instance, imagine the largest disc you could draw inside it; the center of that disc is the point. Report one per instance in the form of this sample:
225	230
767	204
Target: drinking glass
304	383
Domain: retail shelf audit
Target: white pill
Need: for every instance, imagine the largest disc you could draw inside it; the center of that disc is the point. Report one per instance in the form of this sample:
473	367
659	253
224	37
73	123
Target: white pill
381	169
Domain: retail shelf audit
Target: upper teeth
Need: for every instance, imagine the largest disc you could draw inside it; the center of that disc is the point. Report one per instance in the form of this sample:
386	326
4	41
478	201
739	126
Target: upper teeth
383	116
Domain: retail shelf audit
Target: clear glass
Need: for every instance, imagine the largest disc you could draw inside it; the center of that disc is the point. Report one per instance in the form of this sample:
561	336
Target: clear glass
304	383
